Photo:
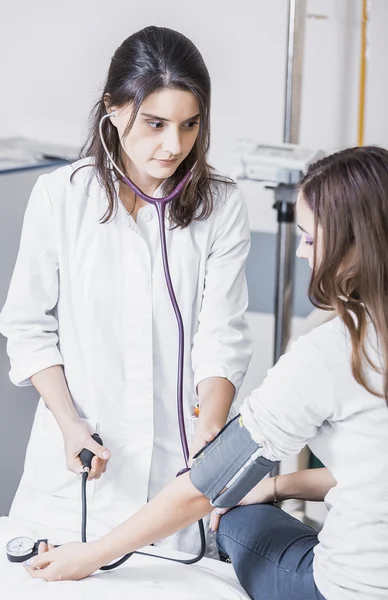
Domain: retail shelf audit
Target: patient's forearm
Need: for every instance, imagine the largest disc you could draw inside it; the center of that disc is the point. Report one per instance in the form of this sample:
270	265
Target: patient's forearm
309	484
178	505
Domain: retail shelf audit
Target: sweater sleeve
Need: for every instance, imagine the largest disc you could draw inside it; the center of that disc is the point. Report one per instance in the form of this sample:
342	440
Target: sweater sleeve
294	400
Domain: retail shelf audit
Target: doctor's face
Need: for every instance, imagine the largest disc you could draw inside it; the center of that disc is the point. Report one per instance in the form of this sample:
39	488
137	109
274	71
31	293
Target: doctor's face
163	134
306	224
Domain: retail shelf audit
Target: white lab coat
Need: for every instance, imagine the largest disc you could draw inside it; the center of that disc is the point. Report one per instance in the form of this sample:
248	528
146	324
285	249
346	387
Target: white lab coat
92	297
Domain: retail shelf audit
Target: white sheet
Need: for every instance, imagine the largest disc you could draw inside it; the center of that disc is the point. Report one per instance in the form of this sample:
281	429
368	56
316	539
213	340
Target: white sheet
140	578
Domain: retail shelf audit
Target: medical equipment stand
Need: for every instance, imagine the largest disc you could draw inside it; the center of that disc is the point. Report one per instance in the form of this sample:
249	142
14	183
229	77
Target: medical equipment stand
285	258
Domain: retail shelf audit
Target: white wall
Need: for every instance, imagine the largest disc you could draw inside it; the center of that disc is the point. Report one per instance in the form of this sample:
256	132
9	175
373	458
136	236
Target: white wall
331	73
54	56
377	82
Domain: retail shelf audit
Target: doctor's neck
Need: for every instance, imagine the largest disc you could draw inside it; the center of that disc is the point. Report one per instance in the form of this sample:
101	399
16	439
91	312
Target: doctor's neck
141	178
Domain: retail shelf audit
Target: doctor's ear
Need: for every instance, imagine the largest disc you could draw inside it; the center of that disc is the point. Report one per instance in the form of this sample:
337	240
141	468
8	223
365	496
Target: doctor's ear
111	110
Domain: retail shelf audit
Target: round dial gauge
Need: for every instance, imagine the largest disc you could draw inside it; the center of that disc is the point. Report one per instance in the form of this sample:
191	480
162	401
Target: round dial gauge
20	548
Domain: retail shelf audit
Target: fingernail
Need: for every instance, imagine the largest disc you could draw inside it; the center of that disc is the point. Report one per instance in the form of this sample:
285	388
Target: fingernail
218	511
105	454
29	562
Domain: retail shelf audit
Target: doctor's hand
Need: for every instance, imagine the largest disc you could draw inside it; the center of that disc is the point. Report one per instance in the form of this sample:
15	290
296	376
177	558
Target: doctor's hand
76	437
72	561
262	493
202	436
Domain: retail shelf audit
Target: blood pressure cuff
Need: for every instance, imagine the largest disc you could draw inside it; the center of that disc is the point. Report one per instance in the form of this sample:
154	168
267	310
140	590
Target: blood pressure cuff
229	466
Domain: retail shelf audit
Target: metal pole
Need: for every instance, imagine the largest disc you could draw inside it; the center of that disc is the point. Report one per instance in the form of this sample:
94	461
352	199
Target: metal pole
363	67
289	71
286	227
285	194
294	70
285	205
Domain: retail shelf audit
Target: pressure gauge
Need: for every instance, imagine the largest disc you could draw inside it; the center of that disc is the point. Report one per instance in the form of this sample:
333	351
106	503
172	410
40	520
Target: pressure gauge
20	549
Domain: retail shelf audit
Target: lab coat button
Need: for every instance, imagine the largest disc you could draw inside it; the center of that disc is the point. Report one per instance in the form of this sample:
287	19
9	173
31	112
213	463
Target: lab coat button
147	216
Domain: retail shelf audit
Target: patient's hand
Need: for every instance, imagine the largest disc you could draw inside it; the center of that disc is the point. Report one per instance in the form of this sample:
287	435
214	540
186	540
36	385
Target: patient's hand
262	493
72	561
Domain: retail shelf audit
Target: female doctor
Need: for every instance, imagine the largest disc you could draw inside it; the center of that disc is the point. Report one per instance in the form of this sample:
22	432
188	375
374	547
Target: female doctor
88	317
330	391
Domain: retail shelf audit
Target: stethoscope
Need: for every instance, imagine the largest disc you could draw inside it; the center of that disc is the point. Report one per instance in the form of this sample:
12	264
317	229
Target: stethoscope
22	548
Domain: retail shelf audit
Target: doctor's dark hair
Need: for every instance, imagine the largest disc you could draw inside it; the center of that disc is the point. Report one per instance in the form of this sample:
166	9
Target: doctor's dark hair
348	193
154	59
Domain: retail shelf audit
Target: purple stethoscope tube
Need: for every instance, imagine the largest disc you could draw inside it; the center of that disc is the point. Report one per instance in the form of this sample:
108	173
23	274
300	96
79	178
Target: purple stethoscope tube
160	205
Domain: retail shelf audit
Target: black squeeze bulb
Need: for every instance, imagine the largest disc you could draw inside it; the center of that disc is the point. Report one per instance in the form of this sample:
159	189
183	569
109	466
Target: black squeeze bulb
87	455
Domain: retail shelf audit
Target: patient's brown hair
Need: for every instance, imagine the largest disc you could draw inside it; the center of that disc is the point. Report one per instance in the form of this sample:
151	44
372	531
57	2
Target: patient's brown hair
348	193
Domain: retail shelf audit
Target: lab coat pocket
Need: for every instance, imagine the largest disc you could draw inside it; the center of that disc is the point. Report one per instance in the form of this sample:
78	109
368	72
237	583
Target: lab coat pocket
45	464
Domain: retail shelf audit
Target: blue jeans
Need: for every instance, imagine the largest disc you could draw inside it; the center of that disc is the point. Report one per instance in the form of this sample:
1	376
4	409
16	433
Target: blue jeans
271	552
